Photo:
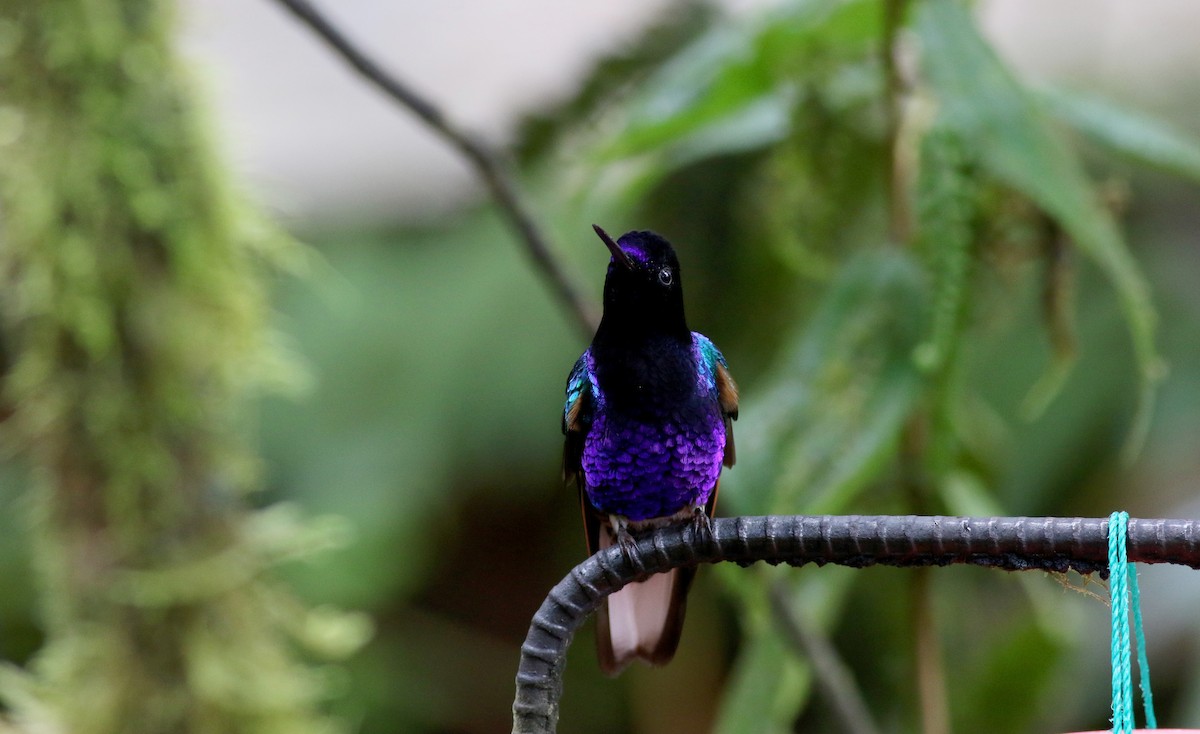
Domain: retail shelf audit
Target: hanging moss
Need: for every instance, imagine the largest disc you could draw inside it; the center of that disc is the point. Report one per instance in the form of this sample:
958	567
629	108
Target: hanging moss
946	210
133	305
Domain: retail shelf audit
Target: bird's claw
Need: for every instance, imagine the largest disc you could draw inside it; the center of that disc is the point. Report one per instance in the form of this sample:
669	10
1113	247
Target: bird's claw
625	540
701	525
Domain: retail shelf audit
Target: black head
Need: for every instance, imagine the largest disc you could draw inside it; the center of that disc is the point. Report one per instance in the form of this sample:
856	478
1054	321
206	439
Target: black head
642	291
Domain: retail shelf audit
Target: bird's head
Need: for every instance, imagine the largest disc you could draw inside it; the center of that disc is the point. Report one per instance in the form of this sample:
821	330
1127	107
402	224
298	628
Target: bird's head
642	287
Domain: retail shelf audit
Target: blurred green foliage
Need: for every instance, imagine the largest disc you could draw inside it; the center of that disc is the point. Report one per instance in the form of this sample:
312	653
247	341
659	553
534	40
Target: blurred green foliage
133	316
994	357
763	149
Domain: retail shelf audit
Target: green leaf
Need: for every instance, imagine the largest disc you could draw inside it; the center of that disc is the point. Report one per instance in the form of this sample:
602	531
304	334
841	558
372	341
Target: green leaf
983	103
766	688
755	126
1126	132
736	66
1018	668
771	682
702	85
829	420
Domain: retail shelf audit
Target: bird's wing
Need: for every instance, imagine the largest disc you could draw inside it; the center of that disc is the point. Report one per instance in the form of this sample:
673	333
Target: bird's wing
717	370
577	418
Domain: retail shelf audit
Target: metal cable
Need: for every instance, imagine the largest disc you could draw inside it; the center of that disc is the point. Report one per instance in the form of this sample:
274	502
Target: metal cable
1010	543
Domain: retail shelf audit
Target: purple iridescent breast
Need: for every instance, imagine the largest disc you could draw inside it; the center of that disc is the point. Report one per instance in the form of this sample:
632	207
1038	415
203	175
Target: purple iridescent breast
654	458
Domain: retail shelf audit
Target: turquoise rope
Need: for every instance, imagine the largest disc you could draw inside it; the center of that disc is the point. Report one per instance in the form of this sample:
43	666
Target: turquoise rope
1142	660
1118	582
1123	586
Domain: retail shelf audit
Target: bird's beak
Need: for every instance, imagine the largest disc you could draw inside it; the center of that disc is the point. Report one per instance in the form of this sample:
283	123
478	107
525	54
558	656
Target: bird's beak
617	253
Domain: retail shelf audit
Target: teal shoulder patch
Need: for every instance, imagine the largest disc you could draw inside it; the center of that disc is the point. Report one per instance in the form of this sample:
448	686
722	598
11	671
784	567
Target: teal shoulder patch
709	357
578	382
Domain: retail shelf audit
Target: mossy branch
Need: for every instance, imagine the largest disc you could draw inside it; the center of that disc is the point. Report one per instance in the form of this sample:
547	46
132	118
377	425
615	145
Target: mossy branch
134	312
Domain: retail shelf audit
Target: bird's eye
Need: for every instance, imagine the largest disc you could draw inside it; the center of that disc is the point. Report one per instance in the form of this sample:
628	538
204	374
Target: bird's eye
666	277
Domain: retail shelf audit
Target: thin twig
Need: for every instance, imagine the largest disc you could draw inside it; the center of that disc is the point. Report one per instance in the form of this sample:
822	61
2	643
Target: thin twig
1011	543
832	674
930	673
927	647
900	162
487	164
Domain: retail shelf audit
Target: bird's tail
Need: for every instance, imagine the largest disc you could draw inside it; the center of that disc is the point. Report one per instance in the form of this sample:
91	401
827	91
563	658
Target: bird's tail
643	620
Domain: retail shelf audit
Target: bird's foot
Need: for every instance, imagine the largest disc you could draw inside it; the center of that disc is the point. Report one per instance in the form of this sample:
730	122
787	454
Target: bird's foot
701	525
624	539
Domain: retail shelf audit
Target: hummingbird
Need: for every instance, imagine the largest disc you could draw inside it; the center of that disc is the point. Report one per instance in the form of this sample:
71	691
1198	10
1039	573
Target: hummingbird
648	422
